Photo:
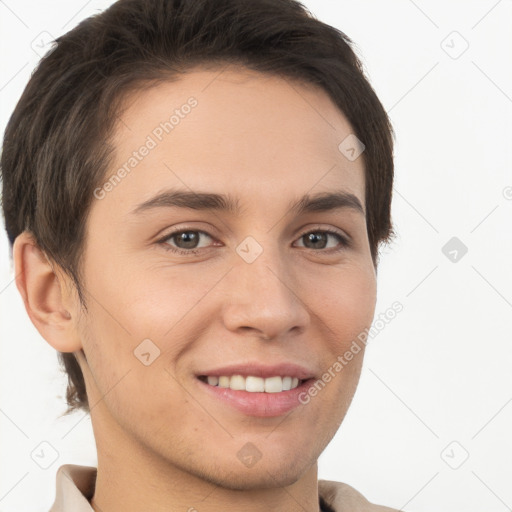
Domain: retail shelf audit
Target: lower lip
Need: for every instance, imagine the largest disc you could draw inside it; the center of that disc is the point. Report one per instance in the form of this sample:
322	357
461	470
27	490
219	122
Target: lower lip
258	404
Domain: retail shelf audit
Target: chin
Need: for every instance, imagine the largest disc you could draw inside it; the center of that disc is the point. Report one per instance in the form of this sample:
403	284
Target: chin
253	478
276	471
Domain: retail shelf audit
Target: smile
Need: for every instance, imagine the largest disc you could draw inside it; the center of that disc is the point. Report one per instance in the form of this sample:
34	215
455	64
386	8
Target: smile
253	384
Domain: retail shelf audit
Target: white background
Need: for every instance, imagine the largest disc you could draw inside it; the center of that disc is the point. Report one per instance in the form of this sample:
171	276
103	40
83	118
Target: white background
439	373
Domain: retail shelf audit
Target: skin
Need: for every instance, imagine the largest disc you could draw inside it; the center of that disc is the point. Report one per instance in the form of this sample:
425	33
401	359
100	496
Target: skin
162	443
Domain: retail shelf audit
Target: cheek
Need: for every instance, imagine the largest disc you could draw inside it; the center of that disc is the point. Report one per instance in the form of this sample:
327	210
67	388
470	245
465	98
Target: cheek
130	381
136	302
159	300
343	300
148	317
344	306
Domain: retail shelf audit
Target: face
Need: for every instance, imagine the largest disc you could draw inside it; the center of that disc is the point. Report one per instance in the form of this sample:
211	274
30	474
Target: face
263	289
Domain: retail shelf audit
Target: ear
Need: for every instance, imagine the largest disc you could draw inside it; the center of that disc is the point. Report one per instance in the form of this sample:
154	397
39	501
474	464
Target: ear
45	295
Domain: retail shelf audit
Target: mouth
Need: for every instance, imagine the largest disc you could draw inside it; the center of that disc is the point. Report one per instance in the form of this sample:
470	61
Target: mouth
257	389
255	396
253	383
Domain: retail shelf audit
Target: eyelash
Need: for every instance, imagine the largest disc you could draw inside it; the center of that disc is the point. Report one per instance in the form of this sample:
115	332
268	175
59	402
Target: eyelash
344	242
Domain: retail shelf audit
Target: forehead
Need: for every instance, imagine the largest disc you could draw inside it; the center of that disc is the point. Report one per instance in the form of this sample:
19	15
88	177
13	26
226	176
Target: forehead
258	136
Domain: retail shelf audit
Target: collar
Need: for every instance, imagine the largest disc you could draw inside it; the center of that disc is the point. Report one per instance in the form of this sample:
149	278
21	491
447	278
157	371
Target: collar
75	487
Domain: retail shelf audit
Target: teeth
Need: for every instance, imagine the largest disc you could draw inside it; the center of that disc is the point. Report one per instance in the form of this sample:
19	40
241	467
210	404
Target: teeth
254	384
236	382
213	381
273	385
224	382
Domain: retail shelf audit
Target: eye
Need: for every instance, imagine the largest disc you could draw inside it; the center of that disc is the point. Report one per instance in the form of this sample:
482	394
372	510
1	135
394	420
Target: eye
187	241
318	239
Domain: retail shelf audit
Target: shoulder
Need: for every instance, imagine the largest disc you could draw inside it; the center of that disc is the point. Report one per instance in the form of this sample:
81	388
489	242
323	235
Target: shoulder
344	498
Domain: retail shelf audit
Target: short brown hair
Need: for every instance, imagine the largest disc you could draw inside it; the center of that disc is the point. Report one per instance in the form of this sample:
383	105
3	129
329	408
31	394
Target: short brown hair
56	147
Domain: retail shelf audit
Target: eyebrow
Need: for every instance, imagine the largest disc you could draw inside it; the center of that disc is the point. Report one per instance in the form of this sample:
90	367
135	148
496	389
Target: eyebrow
321	202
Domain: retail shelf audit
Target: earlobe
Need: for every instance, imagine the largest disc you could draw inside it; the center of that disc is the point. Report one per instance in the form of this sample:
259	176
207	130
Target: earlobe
43	295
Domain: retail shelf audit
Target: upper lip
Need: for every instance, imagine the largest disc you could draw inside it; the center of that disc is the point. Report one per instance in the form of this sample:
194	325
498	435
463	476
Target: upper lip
259	370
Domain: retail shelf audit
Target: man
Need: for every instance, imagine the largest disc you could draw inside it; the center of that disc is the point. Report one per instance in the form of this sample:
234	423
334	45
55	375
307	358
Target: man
195	192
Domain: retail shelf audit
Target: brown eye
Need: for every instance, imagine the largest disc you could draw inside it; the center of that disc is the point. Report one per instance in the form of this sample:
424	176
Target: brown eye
185	241
319	239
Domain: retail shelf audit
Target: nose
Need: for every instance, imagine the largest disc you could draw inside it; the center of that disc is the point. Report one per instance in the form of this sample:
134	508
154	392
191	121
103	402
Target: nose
262	298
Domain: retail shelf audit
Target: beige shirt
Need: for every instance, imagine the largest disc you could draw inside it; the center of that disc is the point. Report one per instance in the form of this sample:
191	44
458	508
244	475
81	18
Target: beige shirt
75	487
